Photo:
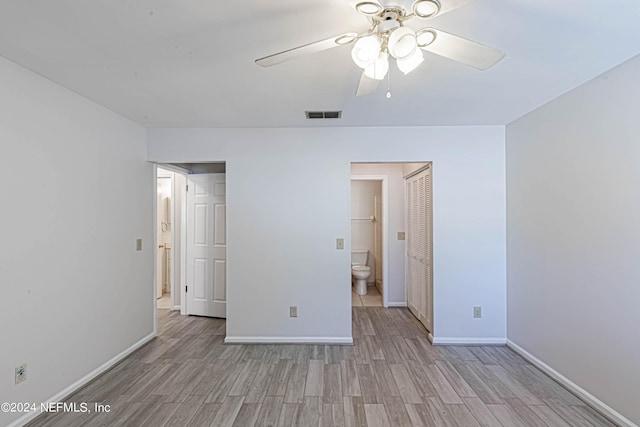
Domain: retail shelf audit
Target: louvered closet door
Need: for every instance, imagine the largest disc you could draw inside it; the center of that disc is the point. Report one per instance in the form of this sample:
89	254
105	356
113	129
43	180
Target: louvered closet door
419	248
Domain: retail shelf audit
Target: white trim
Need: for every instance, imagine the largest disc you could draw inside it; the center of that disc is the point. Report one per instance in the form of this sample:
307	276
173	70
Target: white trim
397	304
581	393
173	168
183	246
154	250
466	341
385	229
289	340
419	170
84	380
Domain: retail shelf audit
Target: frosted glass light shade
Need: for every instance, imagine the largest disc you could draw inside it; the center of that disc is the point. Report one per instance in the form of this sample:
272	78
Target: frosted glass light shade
402	43
411	63
379	68
366	50
368	8
426	8
425	37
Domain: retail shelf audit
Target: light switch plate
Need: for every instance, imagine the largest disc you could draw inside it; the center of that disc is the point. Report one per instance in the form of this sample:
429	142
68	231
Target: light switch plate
293	311
340	243
401	235
138	244
477	312
21	373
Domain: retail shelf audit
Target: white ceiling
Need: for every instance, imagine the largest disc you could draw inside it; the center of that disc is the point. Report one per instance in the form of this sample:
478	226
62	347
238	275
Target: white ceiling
190	63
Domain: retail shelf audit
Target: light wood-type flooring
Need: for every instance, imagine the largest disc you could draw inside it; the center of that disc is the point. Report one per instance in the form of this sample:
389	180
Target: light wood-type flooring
392	376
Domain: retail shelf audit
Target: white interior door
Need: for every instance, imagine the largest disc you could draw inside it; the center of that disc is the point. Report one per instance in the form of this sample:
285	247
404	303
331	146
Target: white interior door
419	248
206	245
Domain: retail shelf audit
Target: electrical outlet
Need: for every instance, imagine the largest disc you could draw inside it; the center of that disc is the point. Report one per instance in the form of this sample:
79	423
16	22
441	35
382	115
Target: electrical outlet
339	243
138	244
21	373
293	311
401	235
477	312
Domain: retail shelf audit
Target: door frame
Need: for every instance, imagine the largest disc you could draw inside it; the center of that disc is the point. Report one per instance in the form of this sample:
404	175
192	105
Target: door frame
385	230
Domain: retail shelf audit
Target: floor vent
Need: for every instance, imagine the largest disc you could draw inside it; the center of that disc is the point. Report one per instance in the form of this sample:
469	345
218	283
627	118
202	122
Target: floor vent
323	114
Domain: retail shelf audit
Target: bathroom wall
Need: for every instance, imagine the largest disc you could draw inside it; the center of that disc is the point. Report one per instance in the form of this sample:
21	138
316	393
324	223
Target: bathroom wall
288	201
364	195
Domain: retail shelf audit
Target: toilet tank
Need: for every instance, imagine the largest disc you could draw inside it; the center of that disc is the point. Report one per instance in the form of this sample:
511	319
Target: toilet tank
359	257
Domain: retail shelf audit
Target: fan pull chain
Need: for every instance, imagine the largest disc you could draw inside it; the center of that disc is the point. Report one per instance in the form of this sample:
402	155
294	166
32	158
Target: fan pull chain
389	84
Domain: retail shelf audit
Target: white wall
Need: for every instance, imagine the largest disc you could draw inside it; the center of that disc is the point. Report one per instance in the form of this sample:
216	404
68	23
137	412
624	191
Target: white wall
75	292
396	222
288	200
573	204
363	233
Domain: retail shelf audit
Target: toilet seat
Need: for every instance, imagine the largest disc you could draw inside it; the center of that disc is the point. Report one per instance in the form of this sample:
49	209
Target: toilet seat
360	268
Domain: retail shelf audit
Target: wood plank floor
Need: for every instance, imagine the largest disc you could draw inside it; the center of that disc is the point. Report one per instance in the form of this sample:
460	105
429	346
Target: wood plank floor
392	376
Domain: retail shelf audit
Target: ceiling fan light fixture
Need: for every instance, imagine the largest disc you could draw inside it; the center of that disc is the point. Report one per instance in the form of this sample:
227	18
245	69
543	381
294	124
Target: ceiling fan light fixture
426	8
411	63
379	68
425	37
346	38
402	43
368	8
366	50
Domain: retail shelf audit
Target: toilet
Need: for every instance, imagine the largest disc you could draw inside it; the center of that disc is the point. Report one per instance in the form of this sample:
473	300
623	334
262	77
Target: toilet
359	270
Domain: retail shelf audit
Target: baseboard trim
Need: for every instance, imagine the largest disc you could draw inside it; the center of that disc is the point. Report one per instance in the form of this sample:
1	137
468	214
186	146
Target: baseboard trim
466	341
84	380
289	340
397	304
604	409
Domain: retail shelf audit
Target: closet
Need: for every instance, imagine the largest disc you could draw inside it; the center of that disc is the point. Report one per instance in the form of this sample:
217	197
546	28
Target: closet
419	247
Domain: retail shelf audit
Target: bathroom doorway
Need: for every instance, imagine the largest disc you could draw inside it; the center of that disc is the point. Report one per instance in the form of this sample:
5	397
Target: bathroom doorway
164	224
368	252
169	225
391	216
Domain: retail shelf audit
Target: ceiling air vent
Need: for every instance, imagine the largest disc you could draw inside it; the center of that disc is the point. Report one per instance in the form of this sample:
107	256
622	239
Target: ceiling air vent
323	114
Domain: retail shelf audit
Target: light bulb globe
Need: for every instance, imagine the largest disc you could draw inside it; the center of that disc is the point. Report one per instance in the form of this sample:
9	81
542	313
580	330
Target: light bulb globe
411	63
366	50
402	43
379	68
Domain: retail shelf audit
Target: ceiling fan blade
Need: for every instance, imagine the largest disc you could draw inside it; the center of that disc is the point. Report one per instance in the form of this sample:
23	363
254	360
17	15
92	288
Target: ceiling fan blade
307	49
462	50
367	86
449	5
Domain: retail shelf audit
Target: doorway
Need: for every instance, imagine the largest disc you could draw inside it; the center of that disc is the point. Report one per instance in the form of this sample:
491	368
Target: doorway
170	186
190	273
164	223
401	260
368	238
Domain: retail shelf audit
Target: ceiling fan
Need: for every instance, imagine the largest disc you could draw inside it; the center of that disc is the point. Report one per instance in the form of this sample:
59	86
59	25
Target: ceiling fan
388	35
